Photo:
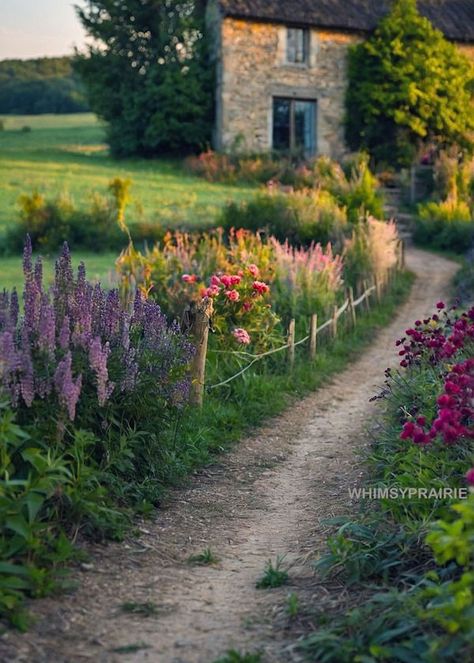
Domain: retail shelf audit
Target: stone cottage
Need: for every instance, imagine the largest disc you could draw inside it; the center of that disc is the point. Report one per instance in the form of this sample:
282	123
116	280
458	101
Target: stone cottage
282	66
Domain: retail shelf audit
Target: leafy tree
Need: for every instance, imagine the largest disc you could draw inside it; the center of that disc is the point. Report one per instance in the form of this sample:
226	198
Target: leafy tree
408	86
41	85
148	74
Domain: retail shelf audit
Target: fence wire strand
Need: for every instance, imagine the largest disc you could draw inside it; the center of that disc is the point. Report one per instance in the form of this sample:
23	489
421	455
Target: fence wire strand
256	358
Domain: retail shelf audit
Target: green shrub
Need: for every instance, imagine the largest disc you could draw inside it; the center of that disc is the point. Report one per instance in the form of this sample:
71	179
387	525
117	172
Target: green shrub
408	86
446	225
101	227
301	217
454	176
45	493
360	194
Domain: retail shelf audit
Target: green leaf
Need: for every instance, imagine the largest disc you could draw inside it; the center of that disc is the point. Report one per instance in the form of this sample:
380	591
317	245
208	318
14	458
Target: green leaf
34	502
18	525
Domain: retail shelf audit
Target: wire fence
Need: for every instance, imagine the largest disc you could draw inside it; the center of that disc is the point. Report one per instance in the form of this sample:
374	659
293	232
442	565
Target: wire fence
201	322
256	358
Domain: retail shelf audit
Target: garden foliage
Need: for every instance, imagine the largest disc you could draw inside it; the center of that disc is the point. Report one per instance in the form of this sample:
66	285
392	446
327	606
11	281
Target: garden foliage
321	200
447	221
98	228
415	555
302	281
90	390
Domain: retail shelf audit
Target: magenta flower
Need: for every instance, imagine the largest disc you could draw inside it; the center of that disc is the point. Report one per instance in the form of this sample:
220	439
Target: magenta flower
470	477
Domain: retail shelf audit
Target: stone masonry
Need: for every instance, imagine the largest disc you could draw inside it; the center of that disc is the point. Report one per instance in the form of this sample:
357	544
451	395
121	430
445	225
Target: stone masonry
253	69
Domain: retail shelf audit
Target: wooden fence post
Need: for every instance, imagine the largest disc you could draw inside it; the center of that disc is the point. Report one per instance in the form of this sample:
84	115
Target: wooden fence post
334	322
313	336
200	317
367	298
352	308
402	251
378	288
291	344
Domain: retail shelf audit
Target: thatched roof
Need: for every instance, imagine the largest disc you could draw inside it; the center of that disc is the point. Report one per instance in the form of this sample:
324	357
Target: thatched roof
454	17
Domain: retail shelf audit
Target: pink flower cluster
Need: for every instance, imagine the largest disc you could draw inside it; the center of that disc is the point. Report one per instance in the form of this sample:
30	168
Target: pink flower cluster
436	337
241	336
226	284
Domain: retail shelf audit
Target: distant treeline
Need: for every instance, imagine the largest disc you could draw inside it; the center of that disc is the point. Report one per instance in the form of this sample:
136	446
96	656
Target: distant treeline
43	85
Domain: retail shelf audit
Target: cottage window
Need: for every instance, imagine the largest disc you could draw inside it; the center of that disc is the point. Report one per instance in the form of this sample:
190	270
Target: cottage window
294	125
297	45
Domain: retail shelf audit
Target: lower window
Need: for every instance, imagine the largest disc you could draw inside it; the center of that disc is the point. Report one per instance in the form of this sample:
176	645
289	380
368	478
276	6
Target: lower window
294	125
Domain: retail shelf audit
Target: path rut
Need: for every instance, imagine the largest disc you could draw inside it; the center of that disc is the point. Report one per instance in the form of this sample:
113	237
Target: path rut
265	498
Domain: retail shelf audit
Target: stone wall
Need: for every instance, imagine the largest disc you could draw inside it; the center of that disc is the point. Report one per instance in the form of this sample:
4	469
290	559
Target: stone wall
252	70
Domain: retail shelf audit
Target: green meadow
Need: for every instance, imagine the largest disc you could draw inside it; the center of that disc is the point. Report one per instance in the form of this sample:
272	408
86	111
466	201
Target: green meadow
67	154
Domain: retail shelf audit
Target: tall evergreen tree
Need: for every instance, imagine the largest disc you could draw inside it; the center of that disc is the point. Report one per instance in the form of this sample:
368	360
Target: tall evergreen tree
408	85
148	74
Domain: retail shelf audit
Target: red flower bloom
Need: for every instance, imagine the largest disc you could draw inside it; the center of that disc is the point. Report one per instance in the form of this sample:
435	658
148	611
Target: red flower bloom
260	287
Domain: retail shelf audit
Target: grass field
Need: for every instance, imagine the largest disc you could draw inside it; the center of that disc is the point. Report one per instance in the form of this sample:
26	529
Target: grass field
67	153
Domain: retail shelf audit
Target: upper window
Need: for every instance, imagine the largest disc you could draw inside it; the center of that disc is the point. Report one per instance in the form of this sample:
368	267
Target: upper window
297	45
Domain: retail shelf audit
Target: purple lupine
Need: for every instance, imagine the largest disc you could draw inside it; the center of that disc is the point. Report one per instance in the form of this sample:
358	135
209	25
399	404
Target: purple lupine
38	274
81	310
31	294
5	316
111	315
47	327
65	333
14	308
9	359
131	369
76	323
98	356
68	389
63	283
98	300
27	380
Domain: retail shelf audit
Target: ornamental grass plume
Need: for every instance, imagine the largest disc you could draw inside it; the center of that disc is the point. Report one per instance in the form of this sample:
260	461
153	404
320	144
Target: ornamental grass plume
77	348
306	280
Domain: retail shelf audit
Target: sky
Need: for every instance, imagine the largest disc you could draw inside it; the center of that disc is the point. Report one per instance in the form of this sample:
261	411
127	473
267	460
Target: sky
35	28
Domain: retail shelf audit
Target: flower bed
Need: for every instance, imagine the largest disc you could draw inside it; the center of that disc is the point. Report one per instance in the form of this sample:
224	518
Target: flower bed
414	557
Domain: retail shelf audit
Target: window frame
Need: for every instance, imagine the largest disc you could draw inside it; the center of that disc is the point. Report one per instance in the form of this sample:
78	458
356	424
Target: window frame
306	47
292	149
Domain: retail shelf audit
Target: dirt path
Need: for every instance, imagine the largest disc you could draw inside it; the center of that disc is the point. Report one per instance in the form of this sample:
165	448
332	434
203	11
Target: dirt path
264	499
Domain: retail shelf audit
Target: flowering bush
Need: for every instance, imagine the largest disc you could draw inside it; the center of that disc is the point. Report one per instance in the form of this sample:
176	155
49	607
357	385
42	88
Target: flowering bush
442	344
296	282
241	309
78	349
